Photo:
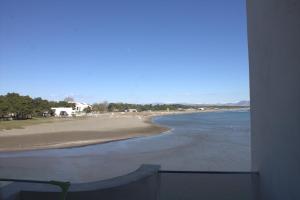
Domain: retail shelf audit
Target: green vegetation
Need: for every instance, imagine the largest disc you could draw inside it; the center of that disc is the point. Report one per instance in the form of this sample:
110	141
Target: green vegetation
23	107
163	107
144	107
87	110
15	106
100	107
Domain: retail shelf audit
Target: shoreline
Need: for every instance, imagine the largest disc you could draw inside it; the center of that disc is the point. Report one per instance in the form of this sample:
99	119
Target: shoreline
73	139
33	138
131	125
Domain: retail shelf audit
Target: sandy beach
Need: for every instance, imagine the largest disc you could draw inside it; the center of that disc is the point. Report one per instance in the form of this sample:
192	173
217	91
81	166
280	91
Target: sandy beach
209	141
80	131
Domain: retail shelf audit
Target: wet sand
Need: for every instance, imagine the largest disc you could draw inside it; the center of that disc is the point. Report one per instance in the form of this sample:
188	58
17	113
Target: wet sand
83	131
184	147
80	132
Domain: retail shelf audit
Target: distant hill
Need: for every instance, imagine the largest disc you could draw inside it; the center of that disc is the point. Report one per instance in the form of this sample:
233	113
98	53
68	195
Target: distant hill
181	104
240	103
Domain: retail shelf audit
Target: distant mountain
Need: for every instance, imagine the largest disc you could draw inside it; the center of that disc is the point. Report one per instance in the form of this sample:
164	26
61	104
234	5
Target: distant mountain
240	103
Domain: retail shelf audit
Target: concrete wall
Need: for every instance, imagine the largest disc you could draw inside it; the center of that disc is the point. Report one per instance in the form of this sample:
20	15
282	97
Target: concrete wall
140	184
274	56
148	184
210	186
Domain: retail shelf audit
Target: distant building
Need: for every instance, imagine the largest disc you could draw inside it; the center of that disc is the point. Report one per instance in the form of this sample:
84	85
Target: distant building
63	111
189	109
46	114
79	107
131	110
68	111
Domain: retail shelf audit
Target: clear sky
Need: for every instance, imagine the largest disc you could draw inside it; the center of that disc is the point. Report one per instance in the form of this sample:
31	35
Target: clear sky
139	51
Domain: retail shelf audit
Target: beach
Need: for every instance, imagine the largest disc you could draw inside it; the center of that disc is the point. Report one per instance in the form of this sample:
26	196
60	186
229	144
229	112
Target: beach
71	132
207	141
82	131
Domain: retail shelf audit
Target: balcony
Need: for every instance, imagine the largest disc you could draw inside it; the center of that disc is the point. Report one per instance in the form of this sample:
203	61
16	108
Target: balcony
147	183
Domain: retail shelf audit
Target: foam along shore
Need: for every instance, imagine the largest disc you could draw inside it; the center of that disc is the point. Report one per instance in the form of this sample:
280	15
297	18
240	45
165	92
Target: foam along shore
80	131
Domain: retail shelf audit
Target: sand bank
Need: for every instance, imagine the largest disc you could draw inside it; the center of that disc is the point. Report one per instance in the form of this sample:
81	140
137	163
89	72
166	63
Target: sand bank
228	149
74	132
80	131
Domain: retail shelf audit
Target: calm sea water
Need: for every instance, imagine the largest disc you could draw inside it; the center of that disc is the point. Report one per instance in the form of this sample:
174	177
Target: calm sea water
218	141
234	125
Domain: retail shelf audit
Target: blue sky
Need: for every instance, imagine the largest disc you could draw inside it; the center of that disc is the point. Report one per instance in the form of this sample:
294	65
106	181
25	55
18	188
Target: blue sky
130	51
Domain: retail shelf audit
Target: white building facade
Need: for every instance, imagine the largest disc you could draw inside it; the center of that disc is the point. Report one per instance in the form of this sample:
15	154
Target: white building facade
63	111
79	107
78	110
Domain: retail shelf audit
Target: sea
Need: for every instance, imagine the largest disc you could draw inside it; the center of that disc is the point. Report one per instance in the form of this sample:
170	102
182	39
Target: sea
206	141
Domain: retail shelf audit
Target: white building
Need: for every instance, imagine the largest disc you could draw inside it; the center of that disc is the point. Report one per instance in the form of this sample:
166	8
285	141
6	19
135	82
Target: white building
69	112
131	110
79	107
63	111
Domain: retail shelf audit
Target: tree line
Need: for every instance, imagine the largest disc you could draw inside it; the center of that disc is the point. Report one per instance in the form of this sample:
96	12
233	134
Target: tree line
144	107
121	107
23	107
